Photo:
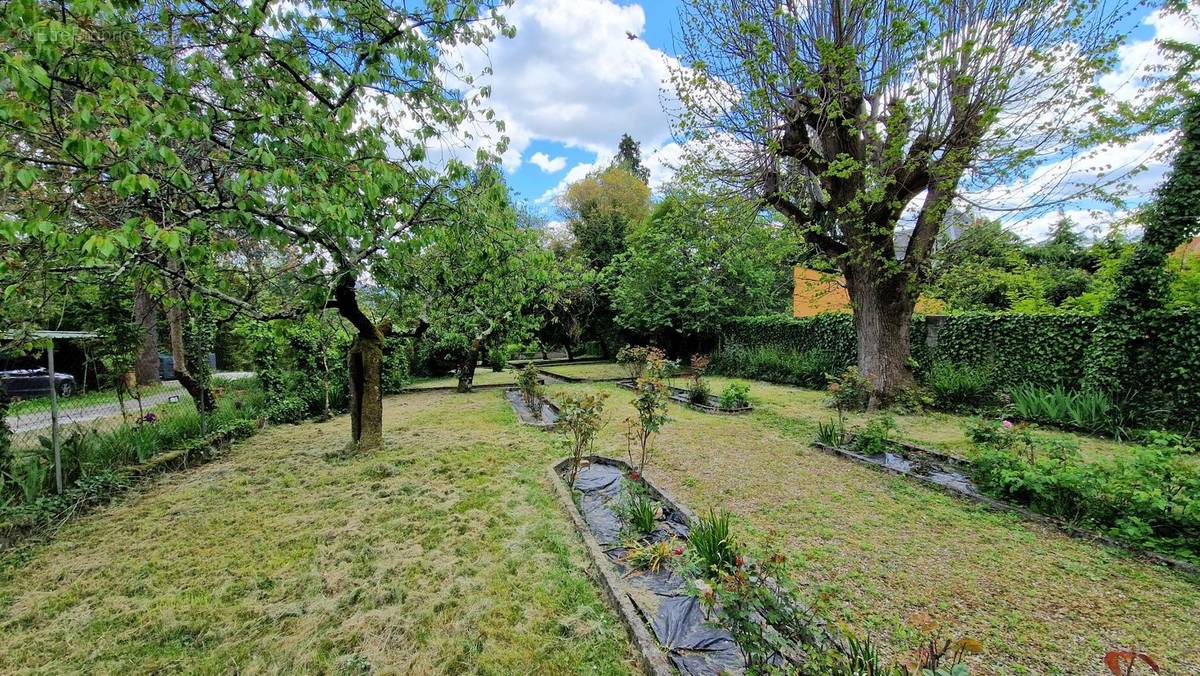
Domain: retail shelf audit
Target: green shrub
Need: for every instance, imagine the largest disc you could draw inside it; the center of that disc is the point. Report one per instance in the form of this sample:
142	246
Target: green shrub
958	387
876	437
530	388
1149	498
735	395
773	364
850	391
288	410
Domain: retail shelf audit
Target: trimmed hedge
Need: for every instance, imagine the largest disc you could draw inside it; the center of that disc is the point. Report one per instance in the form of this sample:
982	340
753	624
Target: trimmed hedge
1038	349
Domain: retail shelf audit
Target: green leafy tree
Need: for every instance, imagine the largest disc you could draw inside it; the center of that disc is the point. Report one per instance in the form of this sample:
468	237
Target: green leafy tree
171	137
1120	360
480	281
599	209
629	156
842	114
696	260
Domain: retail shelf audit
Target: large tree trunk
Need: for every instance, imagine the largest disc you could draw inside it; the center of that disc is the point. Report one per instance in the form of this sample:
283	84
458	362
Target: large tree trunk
365	363
202	396
466	368
366	392
883	309
145	315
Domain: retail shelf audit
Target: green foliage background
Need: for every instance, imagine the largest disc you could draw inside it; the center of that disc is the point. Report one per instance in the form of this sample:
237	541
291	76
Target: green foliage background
1041	349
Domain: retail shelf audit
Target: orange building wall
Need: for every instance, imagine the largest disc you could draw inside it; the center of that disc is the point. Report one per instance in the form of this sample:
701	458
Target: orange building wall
814	292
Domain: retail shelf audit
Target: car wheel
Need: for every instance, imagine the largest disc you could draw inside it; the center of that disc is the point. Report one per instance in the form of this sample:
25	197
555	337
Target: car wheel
66	389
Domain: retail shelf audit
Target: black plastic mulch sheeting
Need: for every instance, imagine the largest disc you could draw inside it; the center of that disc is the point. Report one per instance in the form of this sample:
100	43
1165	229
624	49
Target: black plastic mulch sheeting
549	415
677	619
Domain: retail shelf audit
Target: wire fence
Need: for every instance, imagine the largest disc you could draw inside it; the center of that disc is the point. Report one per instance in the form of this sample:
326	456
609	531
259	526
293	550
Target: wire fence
34	419
59	431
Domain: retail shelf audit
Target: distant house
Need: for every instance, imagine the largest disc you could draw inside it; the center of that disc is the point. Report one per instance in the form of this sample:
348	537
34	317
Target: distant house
1187	249
815	292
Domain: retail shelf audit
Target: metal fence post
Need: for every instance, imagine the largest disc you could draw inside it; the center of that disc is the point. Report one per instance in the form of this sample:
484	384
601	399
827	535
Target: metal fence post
54	418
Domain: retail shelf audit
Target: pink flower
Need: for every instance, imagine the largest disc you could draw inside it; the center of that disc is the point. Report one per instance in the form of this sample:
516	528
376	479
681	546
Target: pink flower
1008	424
678	551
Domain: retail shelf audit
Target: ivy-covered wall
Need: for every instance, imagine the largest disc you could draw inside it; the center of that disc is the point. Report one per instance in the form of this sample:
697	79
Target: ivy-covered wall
1042	349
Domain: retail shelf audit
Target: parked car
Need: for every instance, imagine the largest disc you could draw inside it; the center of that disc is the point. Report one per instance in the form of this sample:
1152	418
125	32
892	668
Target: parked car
28	383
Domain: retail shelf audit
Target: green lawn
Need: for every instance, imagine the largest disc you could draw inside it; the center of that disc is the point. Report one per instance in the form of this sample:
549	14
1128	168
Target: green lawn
875	547
447	552
483	376
591	371
93	398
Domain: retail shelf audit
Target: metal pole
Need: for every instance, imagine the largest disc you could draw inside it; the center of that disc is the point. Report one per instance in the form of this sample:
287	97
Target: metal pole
54	418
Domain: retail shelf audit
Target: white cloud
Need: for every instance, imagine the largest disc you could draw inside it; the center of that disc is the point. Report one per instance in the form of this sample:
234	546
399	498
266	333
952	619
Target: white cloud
548	165
1140	165
576	173
572	76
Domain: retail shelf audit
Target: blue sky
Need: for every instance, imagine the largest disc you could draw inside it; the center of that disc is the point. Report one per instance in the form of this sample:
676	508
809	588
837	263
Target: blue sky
571	83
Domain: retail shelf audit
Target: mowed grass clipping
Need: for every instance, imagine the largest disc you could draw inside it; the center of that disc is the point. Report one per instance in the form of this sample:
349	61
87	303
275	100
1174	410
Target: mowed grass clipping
446	552
873	547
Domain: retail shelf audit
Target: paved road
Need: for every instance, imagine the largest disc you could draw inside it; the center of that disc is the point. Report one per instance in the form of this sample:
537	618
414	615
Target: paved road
68	414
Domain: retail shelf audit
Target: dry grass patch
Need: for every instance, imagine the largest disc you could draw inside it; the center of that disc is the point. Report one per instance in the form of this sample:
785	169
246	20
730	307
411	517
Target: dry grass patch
444	553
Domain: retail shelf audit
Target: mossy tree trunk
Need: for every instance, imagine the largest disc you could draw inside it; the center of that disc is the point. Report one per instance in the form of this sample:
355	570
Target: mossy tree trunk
365	365
883	310
466	368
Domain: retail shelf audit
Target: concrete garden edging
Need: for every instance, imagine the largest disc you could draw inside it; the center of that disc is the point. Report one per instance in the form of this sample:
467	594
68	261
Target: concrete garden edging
653	660
548	419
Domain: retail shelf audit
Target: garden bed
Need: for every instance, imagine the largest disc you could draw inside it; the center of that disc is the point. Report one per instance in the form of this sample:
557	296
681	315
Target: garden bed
668	625
679	395
546	418
952	475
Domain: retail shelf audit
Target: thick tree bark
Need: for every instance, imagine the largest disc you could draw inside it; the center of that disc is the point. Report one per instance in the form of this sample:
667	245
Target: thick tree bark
145	315
466	368
202	396
366	392
883	309
365	362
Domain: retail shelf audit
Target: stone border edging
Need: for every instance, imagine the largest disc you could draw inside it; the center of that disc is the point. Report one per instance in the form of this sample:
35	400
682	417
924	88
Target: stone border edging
1001	506
653	660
